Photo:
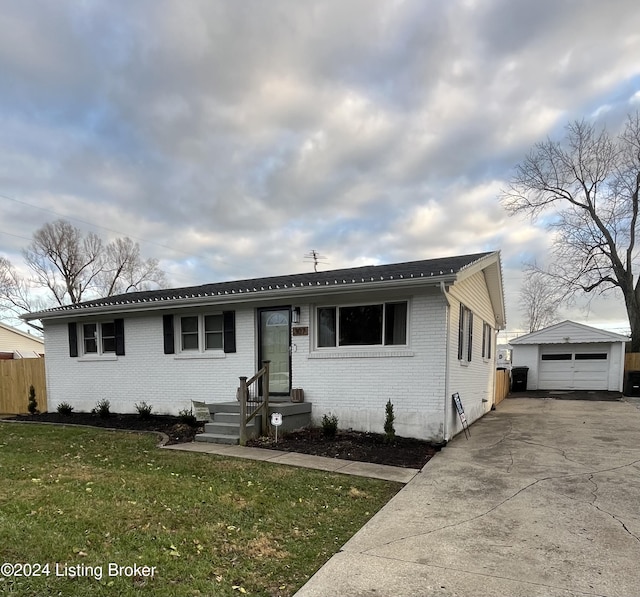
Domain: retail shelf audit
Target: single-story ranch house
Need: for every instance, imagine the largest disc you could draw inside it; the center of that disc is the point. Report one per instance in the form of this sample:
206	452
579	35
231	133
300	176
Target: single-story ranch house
352	339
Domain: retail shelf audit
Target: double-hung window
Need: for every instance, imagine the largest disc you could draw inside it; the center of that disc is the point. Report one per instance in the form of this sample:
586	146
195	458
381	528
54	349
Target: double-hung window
465	335
99	338
382	324
201	333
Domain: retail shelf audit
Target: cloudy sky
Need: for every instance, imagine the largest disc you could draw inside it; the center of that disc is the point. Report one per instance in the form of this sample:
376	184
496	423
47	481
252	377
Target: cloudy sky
231	138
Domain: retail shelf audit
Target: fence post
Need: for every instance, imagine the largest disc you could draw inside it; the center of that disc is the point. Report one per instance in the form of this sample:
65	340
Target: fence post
265	392
243	411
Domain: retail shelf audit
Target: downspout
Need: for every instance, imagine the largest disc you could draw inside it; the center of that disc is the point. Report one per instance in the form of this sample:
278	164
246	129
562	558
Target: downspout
445	430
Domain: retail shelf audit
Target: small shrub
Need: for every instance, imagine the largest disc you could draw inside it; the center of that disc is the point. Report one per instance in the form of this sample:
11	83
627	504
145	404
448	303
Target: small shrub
329	425
64	408
186	416
389	429
144	410
33	403
103	408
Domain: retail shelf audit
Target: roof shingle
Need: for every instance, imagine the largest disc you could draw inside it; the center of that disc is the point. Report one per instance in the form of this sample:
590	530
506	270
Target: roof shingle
446	266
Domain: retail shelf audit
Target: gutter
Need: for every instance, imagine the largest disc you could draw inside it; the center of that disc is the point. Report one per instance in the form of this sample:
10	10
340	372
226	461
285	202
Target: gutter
445	425
289	294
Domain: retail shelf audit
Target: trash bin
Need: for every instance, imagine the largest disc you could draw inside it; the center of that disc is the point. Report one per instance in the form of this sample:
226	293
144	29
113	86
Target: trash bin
519	378
632	384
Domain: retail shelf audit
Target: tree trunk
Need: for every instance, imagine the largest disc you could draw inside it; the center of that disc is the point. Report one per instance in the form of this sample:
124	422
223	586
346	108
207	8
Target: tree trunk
633	311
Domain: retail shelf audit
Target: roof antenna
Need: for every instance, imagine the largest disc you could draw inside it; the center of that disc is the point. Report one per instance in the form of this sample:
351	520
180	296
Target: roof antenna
316	257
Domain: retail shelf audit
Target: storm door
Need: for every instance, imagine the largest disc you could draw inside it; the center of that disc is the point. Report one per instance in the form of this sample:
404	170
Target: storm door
274	345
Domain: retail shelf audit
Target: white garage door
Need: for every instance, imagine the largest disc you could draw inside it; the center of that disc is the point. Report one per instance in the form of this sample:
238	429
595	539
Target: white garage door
577	367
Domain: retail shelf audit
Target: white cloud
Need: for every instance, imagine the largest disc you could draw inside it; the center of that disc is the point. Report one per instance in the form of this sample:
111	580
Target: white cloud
244	135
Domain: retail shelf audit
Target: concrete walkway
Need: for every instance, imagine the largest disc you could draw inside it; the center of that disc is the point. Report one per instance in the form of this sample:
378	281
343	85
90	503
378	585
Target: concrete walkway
334	465
542	500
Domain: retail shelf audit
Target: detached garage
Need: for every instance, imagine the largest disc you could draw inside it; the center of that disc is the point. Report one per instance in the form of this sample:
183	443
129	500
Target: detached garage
571	356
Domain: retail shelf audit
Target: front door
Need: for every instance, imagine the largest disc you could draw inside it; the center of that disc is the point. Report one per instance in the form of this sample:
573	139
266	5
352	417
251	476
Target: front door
274	343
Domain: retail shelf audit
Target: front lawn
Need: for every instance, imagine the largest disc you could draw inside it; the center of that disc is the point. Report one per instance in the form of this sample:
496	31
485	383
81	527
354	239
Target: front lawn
77	505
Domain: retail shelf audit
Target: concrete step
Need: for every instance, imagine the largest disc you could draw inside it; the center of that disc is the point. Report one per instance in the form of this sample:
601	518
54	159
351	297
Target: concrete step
217	438
229	428
224	407
225	417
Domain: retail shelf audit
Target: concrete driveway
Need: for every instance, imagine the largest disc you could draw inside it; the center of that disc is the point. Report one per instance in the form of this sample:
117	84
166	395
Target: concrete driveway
542	500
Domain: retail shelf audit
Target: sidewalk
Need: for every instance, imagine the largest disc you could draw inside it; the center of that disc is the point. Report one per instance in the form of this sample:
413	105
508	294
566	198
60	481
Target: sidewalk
333	465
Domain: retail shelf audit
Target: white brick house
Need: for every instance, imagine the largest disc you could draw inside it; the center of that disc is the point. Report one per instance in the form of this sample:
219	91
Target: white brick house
352	339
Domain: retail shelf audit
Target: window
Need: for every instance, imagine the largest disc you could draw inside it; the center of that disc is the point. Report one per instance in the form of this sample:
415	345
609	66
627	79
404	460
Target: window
90	338
382	324
487	340
465	334
556	357
108	336
200	333
197	334
97	338
591	356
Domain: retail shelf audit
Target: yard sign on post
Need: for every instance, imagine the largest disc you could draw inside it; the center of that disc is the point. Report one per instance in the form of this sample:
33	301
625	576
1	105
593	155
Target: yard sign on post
463	418
276	421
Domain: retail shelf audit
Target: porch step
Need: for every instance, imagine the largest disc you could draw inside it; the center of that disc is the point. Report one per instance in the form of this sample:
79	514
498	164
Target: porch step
218	438
225	425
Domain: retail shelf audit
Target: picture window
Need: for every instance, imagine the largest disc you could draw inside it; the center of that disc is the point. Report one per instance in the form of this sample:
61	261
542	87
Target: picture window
383	324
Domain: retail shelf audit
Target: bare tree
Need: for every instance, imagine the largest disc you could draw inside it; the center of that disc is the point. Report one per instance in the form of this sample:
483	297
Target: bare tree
540	300
73	266
64	261
124	270
590	183
15	297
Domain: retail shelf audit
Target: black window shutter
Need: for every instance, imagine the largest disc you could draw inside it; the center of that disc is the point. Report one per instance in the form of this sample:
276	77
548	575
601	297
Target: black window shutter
229	331
167	330
470	347
484	340
490	343
73	339
118	324
461	332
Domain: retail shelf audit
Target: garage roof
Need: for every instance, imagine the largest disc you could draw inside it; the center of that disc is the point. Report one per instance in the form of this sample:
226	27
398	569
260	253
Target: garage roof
569	332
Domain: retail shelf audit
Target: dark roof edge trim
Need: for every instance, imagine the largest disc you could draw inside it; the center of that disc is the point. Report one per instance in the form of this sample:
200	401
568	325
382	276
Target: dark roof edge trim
237	298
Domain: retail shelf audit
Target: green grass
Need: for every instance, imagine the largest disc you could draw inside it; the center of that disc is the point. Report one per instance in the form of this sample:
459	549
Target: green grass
80	499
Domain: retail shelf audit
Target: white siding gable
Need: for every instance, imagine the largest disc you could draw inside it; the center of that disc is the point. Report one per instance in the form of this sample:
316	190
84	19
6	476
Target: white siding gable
569	332
16	341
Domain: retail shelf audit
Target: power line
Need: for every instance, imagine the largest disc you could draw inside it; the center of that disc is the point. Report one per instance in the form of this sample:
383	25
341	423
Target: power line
55	213
143	240
16	235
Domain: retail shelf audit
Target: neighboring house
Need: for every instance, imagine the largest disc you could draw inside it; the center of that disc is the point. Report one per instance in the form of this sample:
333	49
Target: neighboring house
16	344
571	356
413	333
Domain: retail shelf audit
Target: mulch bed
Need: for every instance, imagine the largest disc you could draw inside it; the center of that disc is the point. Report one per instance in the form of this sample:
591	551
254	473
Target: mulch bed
177	431
347	445
353	445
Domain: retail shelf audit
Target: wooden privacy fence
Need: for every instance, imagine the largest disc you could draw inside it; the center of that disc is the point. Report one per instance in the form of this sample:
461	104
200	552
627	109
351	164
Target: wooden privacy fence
502	384
632	361
15	378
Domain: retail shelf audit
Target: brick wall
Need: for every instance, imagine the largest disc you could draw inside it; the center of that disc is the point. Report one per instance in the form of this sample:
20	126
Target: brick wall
168	382
355	384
